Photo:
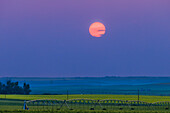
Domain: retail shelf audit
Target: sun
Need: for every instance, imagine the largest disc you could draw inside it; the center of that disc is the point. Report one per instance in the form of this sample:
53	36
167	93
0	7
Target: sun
97	29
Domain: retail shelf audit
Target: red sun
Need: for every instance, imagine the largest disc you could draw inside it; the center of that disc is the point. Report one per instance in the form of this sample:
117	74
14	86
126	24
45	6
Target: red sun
97	29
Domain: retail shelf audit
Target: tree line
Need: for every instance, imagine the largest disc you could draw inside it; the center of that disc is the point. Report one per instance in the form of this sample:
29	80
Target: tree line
14	88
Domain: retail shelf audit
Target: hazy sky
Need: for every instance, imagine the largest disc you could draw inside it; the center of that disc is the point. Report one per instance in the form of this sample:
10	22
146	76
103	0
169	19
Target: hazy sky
51	38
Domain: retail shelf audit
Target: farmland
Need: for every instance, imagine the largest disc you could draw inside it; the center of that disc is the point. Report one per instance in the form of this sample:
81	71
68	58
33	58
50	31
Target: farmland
14	103
149	99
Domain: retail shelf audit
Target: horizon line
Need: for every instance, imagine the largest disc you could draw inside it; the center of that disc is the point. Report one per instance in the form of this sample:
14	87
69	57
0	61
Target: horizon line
120	76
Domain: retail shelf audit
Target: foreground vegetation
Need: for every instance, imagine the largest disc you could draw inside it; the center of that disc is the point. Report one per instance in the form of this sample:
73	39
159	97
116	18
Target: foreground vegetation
79	111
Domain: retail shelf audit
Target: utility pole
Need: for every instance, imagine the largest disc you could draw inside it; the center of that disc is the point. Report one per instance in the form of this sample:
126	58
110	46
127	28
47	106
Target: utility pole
138	96
67	94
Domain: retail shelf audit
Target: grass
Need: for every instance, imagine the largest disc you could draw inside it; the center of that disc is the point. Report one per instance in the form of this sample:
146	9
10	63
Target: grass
149	99
78	111
14	104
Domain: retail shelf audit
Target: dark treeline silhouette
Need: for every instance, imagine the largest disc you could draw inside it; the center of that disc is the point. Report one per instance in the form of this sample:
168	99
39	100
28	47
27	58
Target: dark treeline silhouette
13	88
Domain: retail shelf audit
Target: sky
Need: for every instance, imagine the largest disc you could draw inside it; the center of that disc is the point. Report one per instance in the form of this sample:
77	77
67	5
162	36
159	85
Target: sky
50	38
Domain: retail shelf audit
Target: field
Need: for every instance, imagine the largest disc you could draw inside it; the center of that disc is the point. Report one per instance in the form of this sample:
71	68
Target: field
149	99
13	103
80	111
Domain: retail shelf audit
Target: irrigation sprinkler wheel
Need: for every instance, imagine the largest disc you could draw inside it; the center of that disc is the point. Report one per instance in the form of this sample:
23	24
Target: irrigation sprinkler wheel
91	108
104	109
120	108
132	108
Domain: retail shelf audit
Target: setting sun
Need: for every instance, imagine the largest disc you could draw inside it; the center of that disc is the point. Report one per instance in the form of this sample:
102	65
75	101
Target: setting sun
97	29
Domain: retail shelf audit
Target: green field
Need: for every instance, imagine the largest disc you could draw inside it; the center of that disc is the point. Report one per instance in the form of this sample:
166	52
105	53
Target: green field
149	99
13	103
80	111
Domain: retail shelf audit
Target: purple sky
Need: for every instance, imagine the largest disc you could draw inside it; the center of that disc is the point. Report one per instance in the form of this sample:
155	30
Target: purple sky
51	38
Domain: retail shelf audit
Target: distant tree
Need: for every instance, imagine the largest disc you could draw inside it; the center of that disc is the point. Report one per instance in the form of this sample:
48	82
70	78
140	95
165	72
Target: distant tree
26	88
4	89
0	87
14	88
8	87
